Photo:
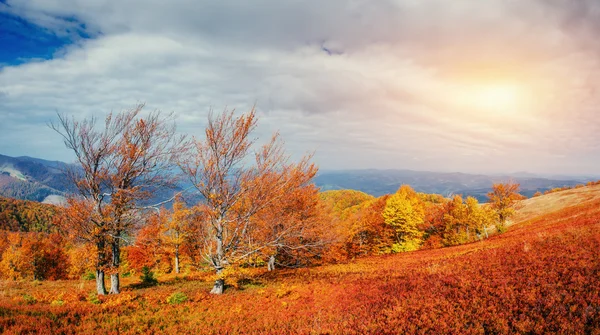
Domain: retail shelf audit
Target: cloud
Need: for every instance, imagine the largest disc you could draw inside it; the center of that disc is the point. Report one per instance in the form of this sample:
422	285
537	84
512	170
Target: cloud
364	84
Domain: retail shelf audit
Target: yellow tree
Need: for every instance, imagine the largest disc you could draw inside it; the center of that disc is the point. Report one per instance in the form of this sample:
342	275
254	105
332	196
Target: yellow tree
404	211
236	184
177	229
502	199
480	216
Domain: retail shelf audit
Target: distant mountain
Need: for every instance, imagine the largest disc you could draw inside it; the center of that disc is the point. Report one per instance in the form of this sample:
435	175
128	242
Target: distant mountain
41	180
34	179
380	182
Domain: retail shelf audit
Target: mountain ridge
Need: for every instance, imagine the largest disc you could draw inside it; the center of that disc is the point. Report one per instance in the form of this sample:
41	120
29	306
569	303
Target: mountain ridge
30	178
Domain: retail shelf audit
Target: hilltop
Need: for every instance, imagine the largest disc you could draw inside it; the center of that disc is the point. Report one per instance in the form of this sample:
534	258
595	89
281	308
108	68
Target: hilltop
555	201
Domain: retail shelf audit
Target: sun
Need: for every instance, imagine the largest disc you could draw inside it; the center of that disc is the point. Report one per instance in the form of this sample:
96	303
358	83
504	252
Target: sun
502	98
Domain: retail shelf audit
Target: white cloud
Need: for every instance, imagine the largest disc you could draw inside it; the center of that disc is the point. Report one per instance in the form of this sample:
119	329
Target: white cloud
385	96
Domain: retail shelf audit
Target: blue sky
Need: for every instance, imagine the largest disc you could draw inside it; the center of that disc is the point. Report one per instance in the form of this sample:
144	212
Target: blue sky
472	86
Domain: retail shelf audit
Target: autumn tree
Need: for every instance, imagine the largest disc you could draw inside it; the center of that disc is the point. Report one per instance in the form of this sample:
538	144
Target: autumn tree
404	212
236	184
368	232
290	231
119	166
149	249
502	199
36	256
177	229
466	220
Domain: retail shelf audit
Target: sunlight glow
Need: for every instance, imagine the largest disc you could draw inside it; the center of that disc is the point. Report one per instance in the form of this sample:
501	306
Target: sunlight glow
497	98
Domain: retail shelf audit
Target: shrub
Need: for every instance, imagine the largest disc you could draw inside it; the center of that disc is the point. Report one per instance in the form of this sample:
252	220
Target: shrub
177	298
93	298
29	299
88	276
147	277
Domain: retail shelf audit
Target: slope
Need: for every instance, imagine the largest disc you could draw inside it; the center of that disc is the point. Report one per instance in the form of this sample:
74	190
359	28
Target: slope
542	276
549	203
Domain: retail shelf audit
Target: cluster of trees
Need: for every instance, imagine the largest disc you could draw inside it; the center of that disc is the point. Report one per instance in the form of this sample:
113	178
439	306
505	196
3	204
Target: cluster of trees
255	201
256	207
408	220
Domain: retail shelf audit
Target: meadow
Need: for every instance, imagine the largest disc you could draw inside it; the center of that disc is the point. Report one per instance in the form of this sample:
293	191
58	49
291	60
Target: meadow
541	276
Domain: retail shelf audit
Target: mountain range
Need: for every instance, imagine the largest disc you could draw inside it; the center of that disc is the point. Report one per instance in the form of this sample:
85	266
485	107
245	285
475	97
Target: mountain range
41	180
380	182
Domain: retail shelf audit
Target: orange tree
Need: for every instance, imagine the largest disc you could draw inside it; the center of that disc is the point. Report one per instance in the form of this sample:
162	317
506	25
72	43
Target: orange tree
118	166
236	184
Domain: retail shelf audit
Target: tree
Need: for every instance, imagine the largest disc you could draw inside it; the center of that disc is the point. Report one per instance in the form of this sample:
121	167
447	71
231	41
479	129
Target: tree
36	256
177	229
289	231
119	166
404	211
503	199
466	220
235	186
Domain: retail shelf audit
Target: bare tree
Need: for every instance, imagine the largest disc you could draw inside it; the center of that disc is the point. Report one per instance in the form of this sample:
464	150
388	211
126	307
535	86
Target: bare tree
118	167
236	185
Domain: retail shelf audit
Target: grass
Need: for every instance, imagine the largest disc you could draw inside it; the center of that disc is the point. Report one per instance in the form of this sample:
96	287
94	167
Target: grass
542	276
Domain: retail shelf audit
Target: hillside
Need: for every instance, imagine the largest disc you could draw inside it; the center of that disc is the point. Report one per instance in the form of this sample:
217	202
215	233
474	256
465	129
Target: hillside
380	182
25	216
549	203
32	178
542	276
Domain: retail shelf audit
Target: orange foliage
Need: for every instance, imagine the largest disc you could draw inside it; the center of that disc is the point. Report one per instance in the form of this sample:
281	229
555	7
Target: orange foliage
539	277
35	256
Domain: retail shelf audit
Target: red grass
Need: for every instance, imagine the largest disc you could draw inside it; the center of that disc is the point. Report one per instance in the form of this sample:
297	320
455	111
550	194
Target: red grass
542	276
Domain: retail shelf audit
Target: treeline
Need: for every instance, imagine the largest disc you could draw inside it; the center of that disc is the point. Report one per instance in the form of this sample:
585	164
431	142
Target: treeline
407	220
346	224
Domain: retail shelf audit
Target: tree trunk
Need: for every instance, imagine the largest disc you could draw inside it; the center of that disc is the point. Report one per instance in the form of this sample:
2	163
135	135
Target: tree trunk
100	262
271	263
100	287
219	286
485	230
177	259
116	261
218	263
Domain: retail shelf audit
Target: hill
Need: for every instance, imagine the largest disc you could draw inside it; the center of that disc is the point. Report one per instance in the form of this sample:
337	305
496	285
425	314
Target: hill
380	182
25	216
30	178
40	180
556	201
539	277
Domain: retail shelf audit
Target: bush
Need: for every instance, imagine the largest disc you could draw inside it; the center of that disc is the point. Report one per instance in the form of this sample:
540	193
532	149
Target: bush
29	299
93	298
501	228
88	276
177	298
147	277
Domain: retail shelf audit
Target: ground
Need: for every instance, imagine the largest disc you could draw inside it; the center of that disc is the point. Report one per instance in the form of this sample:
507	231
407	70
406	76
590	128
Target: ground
542	276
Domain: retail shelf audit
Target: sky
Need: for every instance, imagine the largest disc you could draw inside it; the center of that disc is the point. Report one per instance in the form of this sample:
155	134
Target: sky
437	85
